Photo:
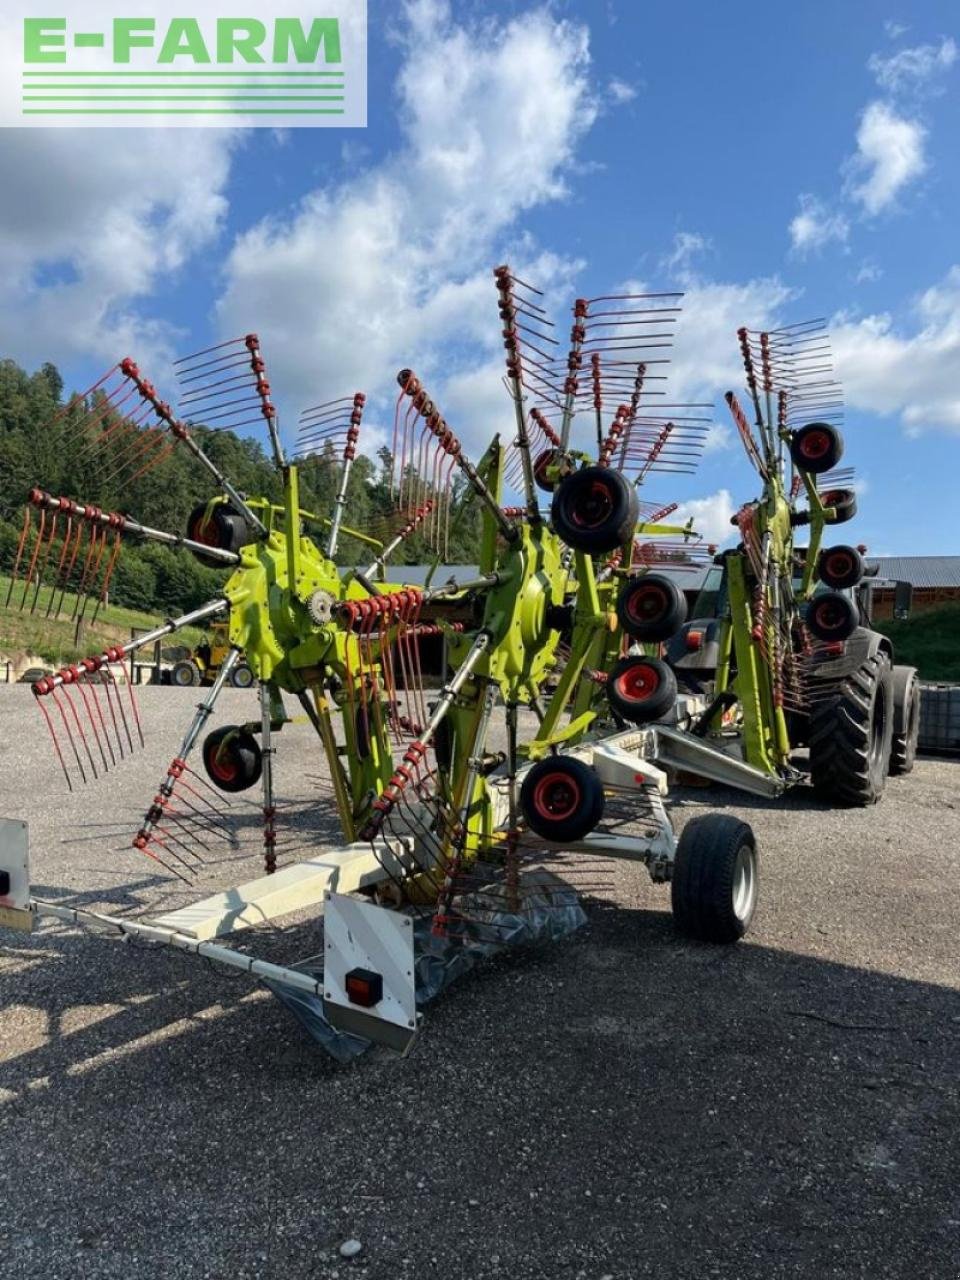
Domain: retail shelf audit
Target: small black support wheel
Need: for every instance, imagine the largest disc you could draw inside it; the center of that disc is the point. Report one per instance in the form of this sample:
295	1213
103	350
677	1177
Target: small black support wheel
224	527
651	607
713	891
831	617
595	510
186	674
561	799
641	689
232	758
851	734
816	448
241	677
840	566
906	719
843	502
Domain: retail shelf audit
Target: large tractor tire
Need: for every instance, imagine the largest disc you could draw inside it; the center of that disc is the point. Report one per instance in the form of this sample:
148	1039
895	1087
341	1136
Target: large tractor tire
713	889
906	719
851	734
242	677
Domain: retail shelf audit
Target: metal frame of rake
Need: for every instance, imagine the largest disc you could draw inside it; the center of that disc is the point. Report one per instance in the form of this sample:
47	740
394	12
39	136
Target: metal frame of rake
762	637
349	648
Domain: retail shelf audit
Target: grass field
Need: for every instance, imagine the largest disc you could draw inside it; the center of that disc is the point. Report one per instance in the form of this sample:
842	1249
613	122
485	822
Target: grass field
929	641
55	639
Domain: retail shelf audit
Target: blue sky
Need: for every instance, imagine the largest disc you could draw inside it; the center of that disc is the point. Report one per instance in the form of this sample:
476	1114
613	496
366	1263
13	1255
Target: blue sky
776	163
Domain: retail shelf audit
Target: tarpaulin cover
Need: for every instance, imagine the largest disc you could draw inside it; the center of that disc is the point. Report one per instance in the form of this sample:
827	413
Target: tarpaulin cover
551	910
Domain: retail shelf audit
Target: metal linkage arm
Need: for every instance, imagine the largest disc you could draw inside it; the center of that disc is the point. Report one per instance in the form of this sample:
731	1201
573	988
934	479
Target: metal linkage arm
123	524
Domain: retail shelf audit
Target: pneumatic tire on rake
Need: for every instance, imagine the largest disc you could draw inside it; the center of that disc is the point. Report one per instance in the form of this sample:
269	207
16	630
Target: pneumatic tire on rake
561	798
851	734
232	758
595	510
713	890
641	689
906	719
651	607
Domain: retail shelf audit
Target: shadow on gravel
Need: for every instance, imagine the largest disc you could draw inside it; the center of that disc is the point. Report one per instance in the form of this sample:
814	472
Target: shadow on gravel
619	1098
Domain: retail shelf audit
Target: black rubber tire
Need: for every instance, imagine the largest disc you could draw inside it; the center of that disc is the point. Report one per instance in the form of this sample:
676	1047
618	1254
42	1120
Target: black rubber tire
651	607
844	503
831	617
851	734
232	758
709	899
641	689
840	566
906	720
561	799
242	677
186	674
816	448
540	463
595	510
225	529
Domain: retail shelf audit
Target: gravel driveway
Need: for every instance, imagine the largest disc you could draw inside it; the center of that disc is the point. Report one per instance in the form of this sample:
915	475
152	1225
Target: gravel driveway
623	1104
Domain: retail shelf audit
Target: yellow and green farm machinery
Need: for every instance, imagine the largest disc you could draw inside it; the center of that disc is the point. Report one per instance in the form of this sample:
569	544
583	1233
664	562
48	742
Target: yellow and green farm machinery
564	702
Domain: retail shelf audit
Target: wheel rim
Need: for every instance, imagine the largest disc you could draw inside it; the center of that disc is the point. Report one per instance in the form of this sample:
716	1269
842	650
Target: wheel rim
556	796
839	565
593	508
646	604
638	683
815	445
222	767
744	882
830	617
204	530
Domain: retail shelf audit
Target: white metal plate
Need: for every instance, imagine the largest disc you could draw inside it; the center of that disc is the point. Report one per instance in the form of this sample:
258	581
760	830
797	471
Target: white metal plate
15	910
361	935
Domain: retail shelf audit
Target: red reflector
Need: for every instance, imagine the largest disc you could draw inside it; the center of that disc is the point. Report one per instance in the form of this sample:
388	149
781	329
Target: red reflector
364	987
694	640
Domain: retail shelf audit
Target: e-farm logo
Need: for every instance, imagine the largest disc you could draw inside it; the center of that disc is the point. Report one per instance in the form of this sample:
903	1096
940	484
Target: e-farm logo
284	65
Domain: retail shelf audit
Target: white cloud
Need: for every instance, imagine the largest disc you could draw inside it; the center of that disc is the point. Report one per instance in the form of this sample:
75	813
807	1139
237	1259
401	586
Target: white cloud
620	91
711	516
890	154
706	357
886	369
868	272
894	30
815	226
687	245
915	68
91	225
393	267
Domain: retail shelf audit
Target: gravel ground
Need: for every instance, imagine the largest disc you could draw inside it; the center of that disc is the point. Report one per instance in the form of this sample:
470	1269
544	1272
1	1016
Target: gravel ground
622	1104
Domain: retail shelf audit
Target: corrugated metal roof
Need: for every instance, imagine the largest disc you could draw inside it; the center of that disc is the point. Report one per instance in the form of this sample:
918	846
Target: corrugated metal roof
921	571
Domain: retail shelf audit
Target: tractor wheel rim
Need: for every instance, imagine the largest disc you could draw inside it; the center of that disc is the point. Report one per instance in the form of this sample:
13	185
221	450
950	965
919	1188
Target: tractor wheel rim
556	796
830	617
744	882
638	683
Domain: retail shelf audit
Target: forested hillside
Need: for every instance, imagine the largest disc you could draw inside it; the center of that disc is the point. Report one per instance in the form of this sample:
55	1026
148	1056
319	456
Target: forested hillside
149	576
